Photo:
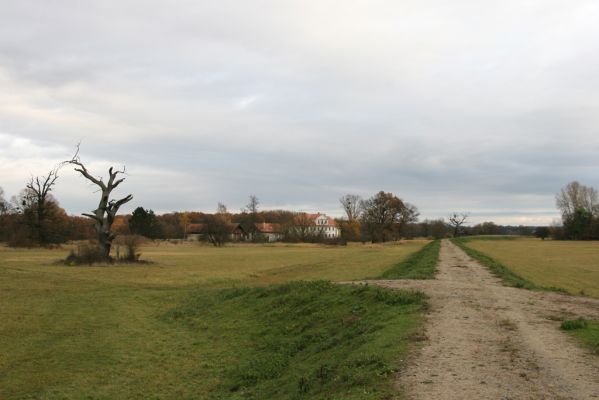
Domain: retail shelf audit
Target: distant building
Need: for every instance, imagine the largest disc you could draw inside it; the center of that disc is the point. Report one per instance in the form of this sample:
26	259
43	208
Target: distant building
324	225
270	232
197	232
304	227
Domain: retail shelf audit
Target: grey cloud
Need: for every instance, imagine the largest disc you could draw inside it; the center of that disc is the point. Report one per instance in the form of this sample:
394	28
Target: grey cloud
455	106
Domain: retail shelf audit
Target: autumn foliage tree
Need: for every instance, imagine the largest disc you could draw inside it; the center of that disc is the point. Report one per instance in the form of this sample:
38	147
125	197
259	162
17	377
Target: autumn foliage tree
383	214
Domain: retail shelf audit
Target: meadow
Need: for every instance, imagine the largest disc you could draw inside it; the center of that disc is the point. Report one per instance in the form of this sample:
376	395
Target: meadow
204	323
571	265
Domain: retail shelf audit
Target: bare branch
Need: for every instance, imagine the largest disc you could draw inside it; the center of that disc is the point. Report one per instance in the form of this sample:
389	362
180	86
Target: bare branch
92	216
83	171
106	211
115	184
120	202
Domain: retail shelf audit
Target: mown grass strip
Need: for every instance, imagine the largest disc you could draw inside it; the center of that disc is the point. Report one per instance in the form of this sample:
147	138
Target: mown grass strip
587	331
305	340
509	277
420	265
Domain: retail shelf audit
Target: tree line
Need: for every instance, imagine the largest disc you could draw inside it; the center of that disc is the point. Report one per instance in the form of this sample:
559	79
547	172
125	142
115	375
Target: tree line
35	218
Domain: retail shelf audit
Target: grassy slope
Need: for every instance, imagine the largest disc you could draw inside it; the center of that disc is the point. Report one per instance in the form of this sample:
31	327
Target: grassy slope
305	339
419	265
572	265
110	332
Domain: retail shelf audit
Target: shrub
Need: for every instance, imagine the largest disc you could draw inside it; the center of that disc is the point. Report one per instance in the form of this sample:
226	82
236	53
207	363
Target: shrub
131	245
88	253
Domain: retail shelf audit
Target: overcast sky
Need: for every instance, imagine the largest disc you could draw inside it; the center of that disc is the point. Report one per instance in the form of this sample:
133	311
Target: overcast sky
479	106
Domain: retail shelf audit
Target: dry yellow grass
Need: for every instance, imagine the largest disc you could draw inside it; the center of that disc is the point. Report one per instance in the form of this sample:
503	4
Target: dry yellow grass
572	265
191	264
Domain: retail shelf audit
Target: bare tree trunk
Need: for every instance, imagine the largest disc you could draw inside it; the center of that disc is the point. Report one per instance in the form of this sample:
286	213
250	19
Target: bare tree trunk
104	214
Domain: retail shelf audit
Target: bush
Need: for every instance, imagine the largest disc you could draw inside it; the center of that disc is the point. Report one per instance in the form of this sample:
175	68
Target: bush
125	246
131	245
88	253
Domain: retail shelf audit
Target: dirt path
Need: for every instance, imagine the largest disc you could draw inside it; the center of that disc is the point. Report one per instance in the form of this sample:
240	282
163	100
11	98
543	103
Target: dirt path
487	341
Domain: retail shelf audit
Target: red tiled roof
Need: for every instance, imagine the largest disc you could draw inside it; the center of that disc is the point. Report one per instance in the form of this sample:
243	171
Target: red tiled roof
330	221
195	228
266	227
199	228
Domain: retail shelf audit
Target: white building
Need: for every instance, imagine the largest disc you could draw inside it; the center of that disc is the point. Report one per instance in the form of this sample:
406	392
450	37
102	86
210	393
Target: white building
325	225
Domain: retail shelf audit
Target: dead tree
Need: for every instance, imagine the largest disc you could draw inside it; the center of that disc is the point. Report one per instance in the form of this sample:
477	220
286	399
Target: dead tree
103	216
456	221
38	191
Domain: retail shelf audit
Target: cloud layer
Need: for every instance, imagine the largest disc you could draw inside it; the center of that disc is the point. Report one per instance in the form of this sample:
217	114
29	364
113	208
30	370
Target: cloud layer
489	108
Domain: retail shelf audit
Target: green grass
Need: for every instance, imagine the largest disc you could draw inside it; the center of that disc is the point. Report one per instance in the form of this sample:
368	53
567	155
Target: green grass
176	329
571	265
419	265
573	324
508	277
307	340
586	331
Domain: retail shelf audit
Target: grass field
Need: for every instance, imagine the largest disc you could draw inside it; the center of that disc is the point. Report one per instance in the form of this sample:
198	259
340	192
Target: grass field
572	265
178	328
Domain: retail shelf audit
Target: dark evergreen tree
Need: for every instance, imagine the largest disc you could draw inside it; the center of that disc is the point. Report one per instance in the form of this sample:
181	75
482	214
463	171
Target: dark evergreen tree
144	222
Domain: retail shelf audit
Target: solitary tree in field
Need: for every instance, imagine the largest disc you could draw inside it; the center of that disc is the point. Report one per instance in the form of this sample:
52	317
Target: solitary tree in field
456	220
106	211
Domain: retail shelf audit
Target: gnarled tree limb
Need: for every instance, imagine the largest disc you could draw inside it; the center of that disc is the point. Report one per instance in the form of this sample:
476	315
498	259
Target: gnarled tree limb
106	211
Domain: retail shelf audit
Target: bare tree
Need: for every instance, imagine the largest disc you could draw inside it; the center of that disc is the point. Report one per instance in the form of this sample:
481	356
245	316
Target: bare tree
576	197
409	214
38	192
221	209
456	220
303	227
352	205
104	214
252	206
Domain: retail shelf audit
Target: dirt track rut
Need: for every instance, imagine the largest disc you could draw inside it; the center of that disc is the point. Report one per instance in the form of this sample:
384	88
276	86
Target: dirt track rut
487	341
